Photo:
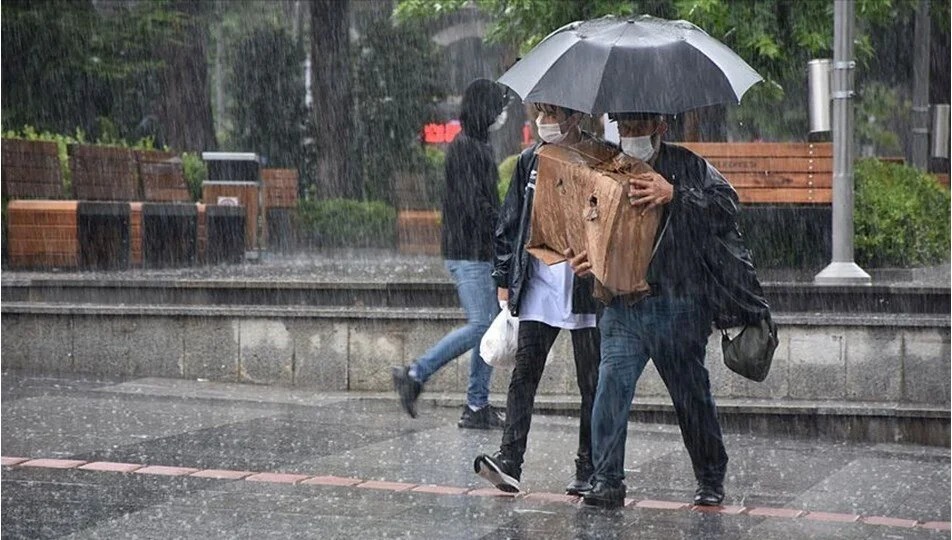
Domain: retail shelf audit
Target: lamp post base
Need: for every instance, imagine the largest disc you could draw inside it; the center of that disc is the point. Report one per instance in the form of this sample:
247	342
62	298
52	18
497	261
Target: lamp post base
842	273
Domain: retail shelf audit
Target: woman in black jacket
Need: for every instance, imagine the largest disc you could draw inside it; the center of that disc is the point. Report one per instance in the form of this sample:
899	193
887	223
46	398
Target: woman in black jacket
547	299
470	209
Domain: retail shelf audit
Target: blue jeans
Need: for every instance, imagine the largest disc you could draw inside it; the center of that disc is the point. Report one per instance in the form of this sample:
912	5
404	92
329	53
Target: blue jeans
673	332
477	294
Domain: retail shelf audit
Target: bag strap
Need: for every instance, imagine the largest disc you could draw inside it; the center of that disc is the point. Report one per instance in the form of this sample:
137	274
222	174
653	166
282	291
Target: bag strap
660	236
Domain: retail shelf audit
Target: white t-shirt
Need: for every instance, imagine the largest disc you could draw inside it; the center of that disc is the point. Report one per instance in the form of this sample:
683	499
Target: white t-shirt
548	297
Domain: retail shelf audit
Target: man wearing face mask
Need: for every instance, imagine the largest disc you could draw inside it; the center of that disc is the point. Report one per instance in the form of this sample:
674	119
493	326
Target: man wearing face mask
470	209
547	299
672	325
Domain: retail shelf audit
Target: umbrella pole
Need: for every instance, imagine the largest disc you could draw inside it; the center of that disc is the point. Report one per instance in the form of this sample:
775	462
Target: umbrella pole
842	270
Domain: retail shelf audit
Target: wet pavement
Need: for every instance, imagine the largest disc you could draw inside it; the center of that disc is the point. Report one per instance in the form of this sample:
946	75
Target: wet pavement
162	458
375	265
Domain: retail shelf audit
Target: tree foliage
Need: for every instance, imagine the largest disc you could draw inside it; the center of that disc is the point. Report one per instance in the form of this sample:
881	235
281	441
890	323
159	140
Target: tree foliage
115	70
67	65
396	85
268	87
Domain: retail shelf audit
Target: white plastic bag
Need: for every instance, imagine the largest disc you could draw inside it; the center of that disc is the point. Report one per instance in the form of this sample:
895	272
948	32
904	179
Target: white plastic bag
499	343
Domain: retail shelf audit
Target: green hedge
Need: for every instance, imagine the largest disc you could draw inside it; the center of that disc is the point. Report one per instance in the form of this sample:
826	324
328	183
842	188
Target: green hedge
346	223
195	172
506	169
901	216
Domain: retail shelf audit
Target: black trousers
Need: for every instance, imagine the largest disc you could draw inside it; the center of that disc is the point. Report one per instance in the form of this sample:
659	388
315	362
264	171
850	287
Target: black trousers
535	341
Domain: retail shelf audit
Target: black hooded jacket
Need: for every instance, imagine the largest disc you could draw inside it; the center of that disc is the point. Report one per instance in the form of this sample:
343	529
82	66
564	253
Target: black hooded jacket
701	252
471	200
704	205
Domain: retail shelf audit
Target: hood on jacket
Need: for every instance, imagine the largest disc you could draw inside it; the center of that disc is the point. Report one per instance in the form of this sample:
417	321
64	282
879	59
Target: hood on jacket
483	100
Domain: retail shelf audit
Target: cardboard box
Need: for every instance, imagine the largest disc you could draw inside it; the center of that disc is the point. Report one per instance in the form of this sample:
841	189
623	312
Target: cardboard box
581	202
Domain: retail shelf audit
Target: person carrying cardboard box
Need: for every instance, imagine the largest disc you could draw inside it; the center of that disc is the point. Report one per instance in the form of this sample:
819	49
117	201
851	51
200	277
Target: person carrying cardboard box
547	299
672	324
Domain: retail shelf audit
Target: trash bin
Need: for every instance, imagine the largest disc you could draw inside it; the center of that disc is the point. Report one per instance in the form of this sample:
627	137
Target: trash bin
232	166
236	177
103	229
169	234
225	230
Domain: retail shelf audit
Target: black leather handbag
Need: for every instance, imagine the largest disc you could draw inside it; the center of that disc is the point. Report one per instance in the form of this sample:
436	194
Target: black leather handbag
737	301
750	353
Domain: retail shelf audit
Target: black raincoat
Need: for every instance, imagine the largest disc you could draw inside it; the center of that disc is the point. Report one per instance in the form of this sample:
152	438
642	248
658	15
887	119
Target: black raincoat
700	249
471	200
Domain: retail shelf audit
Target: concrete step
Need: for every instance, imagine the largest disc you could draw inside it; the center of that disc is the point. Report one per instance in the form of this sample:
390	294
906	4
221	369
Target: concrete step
783	297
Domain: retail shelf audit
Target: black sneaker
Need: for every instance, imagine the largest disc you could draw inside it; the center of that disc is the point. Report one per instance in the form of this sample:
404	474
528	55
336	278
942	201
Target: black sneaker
709	495
583	478
485	418
605	496
407	388
500	472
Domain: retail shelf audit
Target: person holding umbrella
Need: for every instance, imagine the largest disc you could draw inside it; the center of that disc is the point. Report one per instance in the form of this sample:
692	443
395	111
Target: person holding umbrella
672	325
470	209
547	299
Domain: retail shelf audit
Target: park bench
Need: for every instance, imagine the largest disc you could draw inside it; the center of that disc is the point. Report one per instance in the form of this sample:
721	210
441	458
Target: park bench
41	228
786	189
31	170
280	200
116	213
773	173
786	193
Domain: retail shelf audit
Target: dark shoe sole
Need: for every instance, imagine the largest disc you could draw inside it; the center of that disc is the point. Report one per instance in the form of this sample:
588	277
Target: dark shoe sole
709	496
603	503
708	501
488	470
485	418
577	491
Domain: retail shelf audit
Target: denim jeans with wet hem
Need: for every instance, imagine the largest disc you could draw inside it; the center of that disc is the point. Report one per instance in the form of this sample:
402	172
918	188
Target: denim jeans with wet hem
673	332
477	295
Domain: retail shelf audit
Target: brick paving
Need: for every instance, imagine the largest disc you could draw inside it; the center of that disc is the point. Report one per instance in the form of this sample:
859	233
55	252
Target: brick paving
161	465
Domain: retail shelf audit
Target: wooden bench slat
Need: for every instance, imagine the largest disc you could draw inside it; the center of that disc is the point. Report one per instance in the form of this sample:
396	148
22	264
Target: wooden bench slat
759	165
786	195
773	173
711	150
779	180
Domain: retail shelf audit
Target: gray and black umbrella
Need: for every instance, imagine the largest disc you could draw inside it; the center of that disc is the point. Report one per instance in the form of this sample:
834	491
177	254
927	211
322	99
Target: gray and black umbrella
641	64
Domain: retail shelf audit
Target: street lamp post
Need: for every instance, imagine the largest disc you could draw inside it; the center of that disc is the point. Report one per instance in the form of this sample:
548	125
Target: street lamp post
920	89
842	270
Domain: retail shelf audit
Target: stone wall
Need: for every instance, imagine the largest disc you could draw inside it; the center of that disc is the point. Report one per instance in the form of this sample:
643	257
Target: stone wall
846	360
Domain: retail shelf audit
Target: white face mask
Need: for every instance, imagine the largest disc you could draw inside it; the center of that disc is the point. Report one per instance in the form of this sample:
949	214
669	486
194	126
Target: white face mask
550	133
638	147
500	121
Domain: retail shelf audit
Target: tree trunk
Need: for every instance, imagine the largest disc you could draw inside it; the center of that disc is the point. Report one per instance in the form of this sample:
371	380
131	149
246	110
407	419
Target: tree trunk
184	108
333	109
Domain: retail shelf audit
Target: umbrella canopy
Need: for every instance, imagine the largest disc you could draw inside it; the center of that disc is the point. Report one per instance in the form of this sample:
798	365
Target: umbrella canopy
641	64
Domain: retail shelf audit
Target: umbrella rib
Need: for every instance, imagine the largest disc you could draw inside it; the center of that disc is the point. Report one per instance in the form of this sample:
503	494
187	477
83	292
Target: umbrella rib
598	91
